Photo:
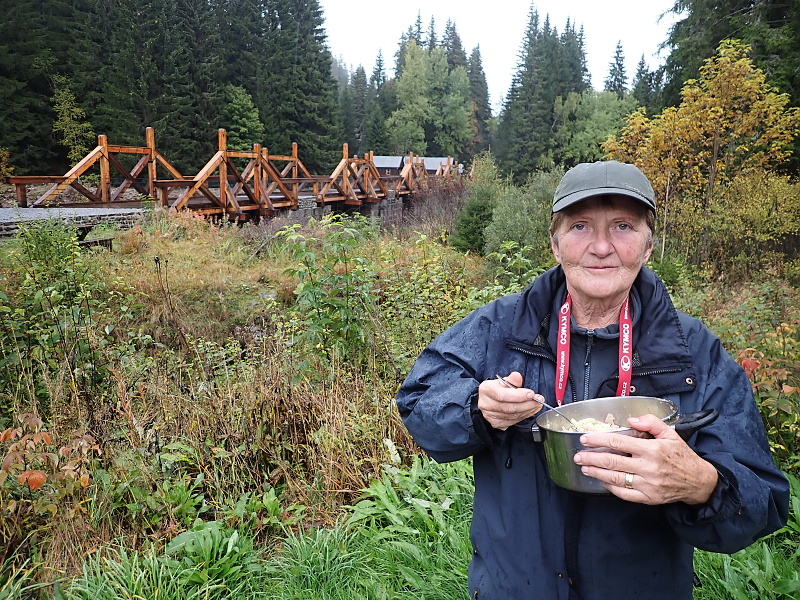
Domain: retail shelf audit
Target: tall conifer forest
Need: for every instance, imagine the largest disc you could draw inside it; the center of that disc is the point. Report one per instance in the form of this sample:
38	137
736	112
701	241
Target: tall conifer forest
264	70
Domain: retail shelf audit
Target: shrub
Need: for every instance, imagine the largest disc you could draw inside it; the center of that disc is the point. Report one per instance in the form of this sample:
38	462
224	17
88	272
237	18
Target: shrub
40	480
334	290
753	226
522	215
47	323
482	197
6	169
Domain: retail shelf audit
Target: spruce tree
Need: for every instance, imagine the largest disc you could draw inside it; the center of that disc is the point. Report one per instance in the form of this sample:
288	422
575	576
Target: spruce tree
381	102
241	42
512	143
456	56
617	81
432	40
550	66
107	81
299	102
646	87
361	97
27	61
414	32
240	118
179	79
481	108
347	111
575	66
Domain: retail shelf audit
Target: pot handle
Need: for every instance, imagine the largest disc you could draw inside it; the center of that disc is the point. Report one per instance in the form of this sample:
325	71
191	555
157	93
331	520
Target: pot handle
687	425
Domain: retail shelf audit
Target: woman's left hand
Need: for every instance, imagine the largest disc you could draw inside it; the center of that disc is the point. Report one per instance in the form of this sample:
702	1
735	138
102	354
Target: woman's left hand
660	470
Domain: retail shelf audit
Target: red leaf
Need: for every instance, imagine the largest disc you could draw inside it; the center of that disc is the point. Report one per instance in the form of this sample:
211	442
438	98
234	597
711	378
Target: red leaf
36	479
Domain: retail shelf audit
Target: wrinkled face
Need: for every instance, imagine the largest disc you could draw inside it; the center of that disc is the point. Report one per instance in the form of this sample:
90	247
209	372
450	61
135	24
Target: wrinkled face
602	244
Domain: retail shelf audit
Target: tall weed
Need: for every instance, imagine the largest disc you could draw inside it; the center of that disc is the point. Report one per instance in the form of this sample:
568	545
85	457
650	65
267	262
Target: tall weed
334	291
48	328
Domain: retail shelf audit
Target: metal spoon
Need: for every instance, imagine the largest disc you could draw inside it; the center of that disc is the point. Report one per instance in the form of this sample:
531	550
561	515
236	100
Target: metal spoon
544	404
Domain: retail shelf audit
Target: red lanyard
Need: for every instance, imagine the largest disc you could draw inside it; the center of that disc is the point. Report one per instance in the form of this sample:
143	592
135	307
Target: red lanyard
625	349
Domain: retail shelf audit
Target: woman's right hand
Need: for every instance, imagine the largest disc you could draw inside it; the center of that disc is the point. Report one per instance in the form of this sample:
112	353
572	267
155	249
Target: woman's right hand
503	405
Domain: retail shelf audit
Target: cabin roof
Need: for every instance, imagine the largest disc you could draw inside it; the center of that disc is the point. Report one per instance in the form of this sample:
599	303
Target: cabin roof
389	162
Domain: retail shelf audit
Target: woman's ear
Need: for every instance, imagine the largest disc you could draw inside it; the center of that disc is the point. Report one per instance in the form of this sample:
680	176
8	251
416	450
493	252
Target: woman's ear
554	248
648	252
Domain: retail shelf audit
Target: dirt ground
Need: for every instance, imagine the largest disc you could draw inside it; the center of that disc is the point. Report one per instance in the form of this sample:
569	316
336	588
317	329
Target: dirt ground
8	198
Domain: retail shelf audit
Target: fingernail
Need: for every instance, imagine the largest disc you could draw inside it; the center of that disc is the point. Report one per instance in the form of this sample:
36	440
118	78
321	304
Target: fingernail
585	470
633	420
530	395
578	458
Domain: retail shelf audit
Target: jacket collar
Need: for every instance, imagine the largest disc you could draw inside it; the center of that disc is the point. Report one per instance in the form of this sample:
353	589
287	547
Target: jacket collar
658	336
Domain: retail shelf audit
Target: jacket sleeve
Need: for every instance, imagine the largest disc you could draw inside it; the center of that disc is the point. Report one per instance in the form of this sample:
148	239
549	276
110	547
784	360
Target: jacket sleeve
751	499
437	400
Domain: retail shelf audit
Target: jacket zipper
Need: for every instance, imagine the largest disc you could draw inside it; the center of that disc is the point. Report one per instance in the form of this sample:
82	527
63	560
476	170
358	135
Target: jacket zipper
586	362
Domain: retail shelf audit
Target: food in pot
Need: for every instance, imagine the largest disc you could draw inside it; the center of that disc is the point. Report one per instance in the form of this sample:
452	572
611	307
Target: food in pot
590	424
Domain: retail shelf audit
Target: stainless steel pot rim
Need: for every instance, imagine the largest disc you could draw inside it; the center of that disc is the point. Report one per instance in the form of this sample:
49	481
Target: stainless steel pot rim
584	408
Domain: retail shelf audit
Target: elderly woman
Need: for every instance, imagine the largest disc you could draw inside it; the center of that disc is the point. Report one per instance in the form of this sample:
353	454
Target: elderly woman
531	539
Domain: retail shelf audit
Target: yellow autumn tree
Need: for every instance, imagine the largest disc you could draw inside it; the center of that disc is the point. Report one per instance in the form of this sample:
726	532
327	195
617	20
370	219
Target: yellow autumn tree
730	123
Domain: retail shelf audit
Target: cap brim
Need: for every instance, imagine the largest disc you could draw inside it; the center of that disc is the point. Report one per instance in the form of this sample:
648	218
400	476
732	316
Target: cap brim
575	197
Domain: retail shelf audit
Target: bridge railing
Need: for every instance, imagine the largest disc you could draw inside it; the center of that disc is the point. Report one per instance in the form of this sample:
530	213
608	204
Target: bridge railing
266	184
106	156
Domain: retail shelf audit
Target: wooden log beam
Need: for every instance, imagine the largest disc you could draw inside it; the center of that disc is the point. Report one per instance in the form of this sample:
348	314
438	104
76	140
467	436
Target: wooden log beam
127	149
225	196
22	195
130	179
199	184
71	175
33	179
86	192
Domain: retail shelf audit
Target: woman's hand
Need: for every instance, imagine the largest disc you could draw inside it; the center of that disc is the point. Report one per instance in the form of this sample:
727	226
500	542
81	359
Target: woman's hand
660	470
502	405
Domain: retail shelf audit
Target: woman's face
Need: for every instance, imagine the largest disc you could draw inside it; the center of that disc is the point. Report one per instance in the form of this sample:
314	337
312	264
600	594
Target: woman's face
602	244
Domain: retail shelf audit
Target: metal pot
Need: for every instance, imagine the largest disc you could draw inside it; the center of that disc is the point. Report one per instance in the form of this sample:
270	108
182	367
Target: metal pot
560	445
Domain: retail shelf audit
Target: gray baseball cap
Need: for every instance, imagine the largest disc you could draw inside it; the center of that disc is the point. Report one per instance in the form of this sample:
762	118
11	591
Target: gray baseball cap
603	177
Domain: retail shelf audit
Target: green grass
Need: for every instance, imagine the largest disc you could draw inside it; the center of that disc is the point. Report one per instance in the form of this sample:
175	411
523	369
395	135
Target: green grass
407	539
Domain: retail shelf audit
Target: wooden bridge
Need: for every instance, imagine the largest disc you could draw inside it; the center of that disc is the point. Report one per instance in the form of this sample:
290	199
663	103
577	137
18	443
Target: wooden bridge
266	185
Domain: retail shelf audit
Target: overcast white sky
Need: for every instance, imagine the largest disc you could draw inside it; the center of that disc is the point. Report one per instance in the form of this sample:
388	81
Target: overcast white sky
357	30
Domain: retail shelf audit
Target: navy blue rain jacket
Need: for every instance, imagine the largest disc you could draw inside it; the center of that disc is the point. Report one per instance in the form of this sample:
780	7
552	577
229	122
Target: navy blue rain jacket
534	540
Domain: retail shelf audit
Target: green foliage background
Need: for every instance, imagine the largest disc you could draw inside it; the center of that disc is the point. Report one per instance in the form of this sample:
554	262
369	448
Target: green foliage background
246	401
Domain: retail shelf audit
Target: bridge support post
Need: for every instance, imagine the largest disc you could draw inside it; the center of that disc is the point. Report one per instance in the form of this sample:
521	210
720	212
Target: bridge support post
150	142
22	195
222	144
105	170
